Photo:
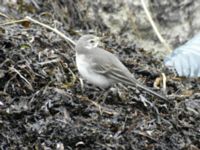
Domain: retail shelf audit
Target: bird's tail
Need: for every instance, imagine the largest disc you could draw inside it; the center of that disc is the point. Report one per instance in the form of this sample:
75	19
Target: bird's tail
150	91
126	78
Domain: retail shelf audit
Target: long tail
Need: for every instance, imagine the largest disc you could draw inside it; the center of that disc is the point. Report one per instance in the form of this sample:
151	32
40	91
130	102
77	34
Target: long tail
135	84
150	91
126	78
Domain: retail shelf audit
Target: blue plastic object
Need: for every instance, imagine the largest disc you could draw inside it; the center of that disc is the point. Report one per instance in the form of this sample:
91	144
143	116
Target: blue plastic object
186	58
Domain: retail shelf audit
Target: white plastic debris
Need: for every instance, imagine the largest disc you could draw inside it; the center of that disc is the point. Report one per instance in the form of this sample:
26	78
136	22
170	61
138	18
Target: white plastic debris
186	58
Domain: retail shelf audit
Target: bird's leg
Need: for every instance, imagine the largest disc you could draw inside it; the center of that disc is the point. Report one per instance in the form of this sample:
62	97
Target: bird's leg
104	94
115	91
102	97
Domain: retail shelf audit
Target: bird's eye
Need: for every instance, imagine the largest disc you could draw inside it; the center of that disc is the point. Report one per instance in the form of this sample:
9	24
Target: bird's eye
92	41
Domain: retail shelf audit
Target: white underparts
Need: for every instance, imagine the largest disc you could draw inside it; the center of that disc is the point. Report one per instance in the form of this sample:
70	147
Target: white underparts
85	69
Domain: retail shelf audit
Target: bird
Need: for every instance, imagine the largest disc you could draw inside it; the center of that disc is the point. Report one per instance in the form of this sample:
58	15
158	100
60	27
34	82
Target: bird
102	68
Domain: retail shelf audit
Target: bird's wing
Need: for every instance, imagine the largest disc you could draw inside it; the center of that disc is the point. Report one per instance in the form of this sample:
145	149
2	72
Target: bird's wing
115	73
101	69
105	63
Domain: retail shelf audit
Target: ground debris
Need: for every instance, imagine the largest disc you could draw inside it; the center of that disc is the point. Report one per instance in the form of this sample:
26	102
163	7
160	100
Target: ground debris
42	105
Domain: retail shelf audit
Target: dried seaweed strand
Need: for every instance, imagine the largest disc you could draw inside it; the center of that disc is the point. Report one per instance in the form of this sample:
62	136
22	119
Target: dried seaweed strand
164	81
162	40
42	24
21	76
52	29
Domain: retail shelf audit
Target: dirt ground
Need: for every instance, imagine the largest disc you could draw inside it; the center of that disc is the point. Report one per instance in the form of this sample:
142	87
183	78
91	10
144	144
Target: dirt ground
42	105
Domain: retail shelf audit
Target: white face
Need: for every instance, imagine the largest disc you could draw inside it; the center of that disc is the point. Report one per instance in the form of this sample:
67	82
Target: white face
92	43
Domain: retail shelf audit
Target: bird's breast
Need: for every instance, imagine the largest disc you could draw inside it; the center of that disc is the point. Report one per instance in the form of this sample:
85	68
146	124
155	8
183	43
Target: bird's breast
84	66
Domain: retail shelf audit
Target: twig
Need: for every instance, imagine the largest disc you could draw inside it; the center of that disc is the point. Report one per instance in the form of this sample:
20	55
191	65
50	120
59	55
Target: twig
13	22
8	82
52	29
154	27
49	62
27	18
145	135
164	81
1	14
15	70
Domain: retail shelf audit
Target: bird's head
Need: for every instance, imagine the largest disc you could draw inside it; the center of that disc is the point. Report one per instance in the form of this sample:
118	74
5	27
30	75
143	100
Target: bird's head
88	41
